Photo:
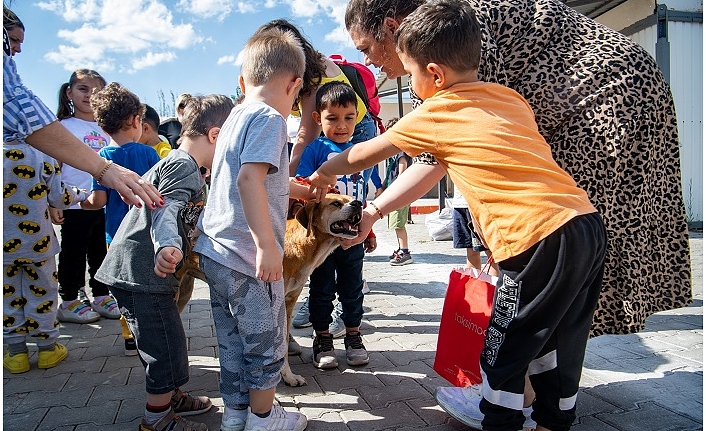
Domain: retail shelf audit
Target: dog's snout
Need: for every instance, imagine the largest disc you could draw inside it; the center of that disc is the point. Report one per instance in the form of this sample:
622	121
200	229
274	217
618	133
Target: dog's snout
357	204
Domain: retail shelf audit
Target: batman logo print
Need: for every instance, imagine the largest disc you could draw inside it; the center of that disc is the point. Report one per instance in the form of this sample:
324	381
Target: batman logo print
23	171
28	227
12	245
45	307
14	155
37	291
42	245
18	210
8	190
18	302
38	191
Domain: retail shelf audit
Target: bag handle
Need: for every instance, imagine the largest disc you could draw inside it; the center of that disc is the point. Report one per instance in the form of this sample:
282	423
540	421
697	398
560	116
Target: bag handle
486	267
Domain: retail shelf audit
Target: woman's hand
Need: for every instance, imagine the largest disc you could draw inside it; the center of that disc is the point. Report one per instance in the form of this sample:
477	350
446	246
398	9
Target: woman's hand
131	187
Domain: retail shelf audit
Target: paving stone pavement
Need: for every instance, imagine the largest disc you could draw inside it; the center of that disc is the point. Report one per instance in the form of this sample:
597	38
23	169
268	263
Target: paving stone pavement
652	380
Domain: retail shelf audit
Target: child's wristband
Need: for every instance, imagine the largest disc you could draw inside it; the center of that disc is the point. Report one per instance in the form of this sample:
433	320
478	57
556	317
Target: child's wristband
382	216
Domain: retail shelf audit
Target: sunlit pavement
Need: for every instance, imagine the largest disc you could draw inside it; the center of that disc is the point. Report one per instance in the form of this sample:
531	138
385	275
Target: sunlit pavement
647	381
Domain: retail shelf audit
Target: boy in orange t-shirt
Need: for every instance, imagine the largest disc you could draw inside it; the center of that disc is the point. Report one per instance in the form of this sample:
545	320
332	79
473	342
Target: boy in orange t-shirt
547	238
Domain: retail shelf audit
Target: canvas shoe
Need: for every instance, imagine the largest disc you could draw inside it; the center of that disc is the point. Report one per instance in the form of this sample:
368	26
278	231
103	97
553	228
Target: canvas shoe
52	358
324	355
234	420
278	420
76	312
301	319
106	306
402	258
16	364
463	405
185	404
355	350
337	328
172	422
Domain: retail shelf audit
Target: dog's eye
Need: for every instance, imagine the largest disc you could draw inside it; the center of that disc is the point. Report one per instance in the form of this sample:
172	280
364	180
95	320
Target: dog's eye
337	204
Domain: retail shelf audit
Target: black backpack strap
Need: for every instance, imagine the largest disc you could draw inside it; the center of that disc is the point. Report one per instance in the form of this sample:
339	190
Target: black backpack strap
357	83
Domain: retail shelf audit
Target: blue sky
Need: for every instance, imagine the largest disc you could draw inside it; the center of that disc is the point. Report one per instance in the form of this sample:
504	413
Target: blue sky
179	46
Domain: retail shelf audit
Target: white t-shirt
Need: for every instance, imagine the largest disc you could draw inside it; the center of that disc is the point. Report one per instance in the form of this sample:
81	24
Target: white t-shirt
90	134
458	200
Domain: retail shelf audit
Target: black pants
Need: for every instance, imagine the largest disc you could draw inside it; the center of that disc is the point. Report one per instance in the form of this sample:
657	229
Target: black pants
542	311
82	240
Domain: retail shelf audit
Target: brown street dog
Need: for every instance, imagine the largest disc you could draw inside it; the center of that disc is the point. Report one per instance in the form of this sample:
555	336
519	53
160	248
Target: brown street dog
309	239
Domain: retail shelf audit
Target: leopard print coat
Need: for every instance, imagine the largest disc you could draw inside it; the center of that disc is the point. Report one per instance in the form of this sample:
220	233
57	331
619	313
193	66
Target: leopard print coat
607	112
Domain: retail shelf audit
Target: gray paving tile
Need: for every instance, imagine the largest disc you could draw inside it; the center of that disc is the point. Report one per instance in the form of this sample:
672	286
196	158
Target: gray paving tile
645	381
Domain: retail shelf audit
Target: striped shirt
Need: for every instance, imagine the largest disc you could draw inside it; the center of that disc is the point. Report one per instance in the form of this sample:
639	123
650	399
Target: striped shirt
23	112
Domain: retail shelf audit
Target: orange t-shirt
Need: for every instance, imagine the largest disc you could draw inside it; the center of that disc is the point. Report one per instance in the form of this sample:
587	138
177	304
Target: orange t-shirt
485	136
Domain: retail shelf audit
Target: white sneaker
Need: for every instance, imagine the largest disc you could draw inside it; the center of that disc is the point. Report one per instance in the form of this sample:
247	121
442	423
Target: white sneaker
278	420
76	312
234	420
337	328
106	306
462	404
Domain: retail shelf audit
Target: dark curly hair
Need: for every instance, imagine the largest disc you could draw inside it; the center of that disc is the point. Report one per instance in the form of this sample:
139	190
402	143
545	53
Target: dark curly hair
114	107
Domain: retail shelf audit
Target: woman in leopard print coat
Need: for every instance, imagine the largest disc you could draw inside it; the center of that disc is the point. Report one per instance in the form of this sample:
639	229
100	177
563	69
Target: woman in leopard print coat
607	112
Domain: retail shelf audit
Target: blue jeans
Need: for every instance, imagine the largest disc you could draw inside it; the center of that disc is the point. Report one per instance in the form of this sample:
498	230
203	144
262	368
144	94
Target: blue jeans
365	129
342	273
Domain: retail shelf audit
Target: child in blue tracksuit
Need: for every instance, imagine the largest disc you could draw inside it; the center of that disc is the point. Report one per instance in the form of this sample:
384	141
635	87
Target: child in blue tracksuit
341	272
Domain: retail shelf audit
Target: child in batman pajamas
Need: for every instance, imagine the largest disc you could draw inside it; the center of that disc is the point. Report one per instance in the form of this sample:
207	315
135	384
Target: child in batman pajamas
31	183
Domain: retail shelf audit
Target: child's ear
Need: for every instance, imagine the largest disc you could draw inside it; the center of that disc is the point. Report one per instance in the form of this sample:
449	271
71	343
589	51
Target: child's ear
241	84
293	87
438	73
212	134
317	117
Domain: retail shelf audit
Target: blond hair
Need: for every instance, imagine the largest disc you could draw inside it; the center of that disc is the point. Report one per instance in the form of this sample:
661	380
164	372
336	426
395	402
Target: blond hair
271	53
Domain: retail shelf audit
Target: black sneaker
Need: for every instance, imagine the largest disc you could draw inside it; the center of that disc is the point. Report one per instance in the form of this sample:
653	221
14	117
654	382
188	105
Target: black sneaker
355	350
130	347
324	355
402	258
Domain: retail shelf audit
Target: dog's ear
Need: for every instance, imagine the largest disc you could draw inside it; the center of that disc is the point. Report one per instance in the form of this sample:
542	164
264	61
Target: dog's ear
305	217
305	214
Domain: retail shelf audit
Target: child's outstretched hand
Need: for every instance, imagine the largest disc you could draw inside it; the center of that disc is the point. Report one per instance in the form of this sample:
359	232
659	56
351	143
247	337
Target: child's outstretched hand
320	184
167	260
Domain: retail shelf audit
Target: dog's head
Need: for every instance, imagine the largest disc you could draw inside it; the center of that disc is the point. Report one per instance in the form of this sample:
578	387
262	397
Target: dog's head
337	215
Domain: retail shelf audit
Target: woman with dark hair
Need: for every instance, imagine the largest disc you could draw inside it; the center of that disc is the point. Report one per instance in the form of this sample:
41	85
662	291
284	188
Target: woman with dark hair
606	110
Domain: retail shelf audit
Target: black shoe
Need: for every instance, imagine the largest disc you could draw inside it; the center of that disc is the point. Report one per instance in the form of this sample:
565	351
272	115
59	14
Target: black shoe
324	355
355	350
130	347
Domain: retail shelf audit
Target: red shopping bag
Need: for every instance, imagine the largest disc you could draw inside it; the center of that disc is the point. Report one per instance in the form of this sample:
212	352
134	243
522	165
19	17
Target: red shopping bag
464	321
